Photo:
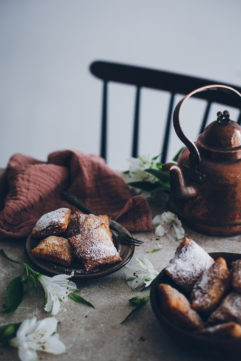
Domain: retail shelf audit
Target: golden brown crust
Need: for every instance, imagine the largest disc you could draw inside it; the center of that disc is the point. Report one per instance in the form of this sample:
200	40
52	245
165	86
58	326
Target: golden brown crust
236	275
229	310
95	247
80	223
228	330
177	308
52	223
189	262
55	249
210	287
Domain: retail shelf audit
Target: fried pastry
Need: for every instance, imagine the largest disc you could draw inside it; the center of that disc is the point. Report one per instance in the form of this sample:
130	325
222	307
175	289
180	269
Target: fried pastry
55	249
177	308
189	262
210	287
80	223
229	330
52	223
229	310
95	248
236	275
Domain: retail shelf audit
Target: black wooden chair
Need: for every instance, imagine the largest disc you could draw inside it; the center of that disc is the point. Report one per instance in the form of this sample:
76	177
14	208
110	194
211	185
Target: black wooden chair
173	83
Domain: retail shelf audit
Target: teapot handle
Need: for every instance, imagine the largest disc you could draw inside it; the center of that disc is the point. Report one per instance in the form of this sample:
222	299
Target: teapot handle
194	152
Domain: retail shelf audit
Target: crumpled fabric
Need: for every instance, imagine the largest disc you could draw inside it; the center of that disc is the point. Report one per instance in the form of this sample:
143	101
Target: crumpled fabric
29	188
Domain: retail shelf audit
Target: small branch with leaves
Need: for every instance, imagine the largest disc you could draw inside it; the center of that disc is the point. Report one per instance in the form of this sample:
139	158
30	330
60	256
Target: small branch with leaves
146	174
57	289
137	303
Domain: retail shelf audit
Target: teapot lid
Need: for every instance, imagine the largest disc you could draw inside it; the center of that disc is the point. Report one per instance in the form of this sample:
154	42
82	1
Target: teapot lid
221	139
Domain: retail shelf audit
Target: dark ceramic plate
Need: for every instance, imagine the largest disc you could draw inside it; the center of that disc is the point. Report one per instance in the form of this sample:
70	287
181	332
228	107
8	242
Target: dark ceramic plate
186	338
125	251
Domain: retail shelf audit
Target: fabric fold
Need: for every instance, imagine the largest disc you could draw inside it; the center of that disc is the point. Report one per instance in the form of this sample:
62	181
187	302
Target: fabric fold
30	188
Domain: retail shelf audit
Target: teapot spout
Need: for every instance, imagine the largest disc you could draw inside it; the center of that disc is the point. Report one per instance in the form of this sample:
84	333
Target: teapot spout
177	181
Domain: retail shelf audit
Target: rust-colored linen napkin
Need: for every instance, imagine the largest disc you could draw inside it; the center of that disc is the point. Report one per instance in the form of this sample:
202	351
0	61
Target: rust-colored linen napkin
30	188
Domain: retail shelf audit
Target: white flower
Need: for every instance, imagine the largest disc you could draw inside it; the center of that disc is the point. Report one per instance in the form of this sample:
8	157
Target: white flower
137	168
35	335
168	224
140	275
57	289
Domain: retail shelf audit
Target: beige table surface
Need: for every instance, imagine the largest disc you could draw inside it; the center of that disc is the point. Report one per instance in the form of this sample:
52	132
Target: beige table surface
96	334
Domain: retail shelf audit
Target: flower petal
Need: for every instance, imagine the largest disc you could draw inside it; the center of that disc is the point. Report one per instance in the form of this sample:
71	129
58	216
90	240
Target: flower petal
45	328
26	354
168	224
56	305
49	302
54	345
26	327
141	275
160	230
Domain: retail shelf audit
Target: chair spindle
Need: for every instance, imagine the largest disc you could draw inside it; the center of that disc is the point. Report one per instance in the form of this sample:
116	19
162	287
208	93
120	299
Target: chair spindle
135	143
103	145
167	129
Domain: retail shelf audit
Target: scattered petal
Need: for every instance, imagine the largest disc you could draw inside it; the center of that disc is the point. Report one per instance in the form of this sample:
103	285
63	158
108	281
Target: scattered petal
168	224
141	274
34	335
57	289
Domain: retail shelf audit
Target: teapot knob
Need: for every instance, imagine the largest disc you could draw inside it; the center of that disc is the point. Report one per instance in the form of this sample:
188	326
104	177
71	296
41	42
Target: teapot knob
223	118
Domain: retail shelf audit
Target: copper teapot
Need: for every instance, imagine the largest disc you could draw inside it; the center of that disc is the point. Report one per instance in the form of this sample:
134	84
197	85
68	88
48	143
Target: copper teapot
206	180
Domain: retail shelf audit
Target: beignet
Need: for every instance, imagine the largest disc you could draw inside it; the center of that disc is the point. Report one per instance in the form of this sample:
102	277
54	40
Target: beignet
55	249
80	223
236	275
95	248
229	310
189	262
226	330
210	287
52	223
177	308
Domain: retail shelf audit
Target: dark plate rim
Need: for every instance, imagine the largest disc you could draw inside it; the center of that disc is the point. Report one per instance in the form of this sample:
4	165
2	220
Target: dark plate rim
230	257
53	269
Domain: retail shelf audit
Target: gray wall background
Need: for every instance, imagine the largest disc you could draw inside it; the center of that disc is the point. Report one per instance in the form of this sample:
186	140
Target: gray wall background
49	100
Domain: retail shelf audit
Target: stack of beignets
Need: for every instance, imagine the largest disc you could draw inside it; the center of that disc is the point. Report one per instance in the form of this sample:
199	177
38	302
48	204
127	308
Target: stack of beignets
212	304
64	236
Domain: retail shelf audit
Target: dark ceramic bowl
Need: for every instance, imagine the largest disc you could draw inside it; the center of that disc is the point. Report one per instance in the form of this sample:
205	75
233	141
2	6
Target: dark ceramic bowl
186	338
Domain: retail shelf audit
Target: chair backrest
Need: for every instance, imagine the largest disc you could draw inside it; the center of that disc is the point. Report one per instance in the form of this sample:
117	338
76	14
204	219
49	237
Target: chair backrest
173	83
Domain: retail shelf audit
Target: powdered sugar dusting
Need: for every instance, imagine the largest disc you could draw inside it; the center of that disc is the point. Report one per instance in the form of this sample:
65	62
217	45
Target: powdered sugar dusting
229	310
211	286
189	262
49	219
236	275
95	247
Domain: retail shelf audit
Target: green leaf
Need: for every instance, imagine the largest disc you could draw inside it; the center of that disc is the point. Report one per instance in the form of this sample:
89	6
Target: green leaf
142	261
15	294
156	157
146	186
158	165
154	250
79	299
8	331
130	279
175	158
159	174
138	303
